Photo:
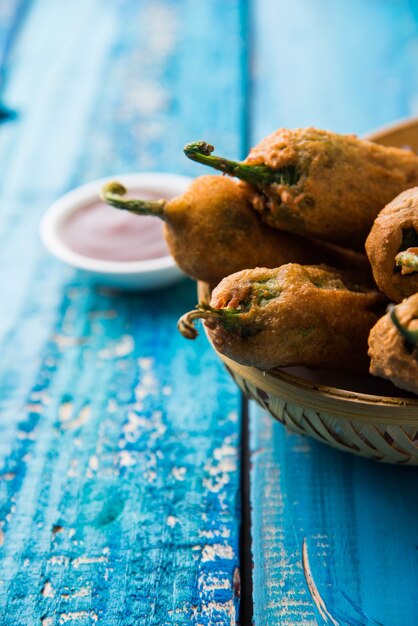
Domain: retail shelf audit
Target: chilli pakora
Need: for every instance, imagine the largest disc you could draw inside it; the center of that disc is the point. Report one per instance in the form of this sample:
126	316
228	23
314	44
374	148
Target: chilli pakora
392	247
293	315
317	183
212	231
393	345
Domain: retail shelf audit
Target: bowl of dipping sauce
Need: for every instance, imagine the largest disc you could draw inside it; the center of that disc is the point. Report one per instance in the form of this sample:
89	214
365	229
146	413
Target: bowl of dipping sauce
113	246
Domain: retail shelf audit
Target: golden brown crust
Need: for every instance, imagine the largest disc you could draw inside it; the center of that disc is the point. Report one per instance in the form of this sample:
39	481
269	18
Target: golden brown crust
385	241
212	231
389	356
315	320
343	183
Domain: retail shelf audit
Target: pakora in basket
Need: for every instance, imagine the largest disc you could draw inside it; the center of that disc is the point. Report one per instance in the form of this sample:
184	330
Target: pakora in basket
293	315
392	247
317	183
212	231
393	345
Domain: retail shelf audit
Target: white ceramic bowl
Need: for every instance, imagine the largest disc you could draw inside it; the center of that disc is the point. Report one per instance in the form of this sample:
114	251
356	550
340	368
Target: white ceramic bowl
139	275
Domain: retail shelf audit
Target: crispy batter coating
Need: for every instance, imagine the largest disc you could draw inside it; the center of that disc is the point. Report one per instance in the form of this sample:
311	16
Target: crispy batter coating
340	183
391	355
212	231
294	315
395	229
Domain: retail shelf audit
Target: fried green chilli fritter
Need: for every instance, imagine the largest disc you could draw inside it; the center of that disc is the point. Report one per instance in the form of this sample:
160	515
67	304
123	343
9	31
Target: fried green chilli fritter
392	247
292	315
393	345
212	231
317	183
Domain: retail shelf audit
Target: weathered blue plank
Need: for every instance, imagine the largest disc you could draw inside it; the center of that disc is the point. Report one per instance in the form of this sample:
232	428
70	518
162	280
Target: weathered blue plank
349	66
119	450
330	528
334	537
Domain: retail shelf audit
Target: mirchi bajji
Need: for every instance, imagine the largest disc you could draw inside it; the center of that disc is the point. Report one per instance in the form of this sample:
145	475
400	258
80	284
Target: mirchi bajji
317	183
292	315
392	247
393	345
212	231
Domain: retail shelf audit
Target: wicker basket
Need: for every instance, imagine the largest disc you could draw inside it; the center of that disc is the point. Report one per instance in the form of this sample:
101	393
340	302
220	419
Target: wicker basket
382	428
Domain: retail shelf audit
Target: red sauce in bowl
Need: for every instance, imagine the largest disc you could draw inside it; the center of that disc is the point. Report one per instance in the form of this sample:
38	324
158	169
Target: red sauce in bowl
99	231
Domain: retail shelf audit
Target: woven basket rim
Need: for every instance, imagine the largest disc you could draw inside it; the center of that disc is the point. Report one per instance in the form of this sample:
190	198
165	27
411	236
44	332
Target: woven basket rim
350	405
384	133
344	394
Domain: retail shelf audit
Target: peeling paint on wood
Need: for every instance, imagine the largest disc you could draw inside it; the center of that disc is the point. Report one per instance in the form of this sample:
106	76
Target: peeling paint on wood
119	441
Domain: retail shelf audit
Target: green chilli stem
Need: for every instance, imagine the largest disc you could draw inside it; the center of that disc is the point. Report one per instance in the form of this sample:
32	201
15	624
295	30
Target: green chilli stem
113	194
186	323
410	336
257	175
407	261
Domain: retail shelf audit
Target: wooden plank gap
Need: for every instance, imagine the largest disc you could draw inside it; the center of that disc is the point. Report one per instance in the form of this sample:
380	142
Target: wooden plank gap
246	594
246	561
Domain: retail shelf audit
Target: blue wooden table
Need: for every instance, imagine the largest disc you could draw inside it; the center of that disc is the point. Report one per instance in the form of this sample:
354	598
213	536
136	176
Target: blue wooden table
124	466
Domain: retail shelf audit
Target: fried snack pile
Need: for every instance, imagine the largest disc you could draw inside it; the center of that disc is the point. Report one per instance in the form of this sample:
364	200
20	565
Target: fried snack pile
212	231
332	188
315	182
393	345
293	315
307	201
392	247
